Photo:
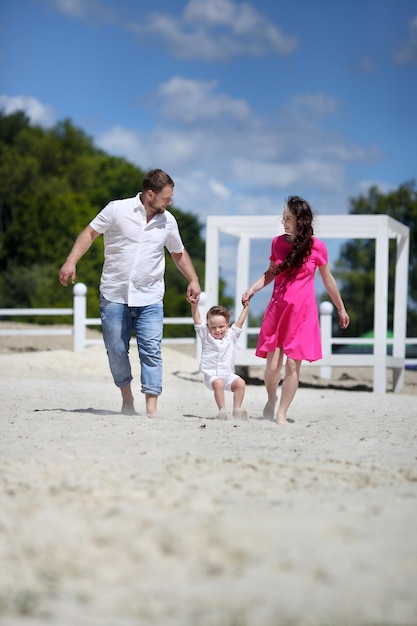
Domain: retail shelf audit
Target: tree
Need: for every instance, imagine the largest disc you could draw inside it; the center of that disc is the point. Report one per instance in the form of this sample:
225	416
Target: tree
52	183
355	269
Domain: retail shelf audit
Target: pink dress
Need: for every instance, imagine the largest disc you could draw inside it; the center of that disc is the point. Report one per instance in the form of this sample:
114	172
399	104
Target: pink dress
291	320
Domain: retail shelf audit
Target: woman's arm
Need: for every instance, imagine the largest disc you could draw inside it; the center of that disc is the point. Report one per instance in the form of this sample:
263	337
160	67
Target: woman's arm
264	280
334	293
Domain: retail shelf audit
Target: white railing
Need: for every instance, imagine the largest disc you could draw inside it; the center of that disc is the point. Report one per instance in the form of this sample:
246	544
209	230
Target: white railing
245	357
80	322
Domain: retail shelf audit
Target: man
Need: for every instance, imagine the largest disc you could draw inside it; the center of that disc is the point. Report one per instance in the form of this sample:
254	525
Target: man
136	232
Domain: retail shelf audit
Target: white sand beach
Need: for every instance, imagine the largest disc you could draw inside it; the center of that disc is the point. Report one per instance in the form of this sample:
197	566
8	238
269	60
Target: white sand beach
185	520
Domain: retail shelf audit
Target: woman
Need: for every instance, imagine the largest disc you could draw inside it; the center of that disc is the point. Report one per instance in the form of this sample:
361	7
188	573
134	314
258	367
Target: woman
291	323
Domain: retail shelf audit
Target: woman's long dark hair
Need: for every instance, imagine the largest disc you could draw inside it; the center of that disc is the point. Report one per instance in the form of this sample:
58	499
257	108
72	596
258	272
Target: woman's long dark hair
303	242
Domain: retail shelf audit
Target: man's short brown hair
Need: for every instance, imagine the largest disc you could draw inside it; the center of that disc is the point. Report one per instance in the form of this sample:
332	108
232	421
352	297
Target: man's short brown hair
156	180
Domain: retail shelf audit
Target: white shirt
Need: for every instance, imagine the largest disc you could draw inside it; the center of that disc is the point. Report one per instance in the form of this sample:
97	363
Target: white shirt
217	355
134	251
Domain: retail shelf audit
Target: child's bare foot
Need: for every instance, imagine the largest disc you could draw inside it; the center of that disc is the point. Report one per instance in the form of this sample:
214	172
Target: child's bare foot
222	415
240	414
269	408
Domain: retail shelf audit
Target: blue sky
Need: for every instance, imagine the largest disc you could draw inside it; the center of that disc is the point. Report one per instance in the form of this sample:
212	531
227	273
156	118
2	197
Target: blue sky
243	103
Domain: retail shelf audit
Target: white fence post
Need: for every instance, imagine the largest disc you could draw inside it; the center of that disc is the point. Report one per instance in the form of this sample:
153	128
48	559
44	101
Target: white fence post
80	316
326	311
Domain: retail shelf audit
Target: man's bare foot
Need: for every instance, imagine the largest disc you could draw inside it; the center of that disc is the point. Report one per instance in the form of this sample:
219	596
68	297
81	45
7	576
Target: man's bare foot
269	409
152	415
222	415
128	408
240	414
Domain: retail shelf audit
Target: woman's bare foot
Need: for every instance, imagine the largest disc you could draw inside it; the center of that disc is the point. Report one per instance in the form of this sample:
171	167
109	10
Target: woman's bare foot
269	408
282	420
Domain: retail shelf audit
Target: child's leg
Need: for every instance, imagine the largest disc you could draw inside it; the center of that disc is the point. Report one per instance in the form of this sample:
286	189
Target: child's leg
219	396
289	387
238	388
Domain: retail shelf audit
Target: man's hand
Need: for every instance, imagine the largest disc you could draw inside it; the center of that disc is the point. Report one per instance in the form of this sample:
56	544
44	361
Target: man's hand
68	270
193	292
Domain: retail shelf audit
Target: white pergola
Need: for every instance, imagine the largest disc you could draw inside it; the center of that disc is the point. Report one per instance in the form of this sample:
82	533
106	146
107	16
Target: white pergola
382	228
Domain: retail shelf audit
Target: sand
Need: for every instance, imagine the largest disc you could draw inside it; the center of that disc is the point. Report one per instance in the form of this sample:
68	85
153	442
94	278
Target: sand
186	520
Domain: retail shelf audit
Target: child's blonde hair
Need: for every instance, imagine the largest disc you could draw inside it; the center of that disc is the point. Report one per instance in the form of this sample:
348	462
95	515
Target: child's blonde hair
219	310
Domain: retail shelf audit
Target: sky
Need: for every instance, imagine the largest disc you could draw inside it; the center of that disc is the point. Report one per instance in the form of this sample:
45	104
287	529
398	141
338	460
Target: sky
243	103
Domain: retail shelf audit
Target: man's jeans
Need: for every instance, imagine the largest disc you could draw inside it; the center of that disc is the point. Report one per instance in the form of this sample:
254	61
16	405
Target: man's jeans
118	322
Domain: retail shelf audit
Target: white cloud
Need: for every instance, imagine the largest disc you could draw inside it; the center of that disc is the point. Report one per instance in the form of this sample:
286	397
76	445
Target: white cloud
38	113
122	142
281	175
348	152
227	160
209	30
407	51
319	104
368	66
73	8
383	187
219	189
191	101
225	155
85	10
213	30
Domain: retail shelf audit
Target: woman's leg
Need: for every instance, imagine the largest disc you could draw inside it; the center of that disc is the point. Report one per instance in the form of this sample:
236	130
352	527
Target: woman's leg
289	388
271	378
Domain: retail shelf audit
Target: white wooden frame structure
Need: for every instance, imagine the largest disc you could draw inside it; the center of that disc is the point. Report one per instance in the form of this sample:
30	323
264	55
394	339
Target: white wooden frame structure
382	228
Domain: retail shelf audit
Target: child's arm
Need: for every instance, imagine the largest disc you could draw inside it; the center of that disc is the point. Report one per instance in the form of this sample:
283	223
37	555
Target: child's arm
243	315
195	312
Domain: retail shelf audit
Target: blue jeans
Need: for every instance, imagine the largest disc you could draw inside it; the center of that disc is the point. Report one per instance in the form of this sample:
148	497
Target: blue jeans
118	322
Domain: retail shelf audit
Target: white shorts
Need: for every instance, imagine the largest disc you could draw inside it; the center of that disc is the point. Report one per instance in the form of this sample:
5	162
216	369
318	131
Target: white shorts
208	381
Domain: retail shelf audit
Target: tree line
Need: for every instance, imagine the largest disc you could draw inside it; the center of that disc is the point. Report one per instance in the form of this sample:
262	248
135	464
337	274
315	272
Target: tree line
54	181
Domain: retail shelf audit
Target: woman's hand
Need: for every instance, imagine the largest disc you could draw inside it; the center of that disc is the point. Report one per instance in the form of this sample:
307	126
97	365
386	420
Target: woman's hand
246	297
343	319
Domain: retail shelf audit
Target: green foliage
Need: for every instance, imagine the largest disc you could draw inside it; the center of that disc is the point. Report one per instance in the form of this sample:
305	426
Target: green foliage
355	269
190	229
52	184
33	287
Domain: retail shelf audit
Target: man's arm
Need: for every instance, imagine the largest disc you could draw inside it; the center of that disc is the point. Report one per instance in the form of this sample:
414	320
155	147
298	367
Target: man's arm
80	247
184	265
